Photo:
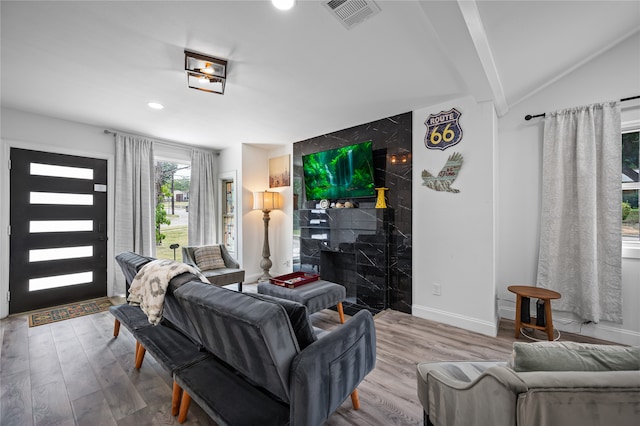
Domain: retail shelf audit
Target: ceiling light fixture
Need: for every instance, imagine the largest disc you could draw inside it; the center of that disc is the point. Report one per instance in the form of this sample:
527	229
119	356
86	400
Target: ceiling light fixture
205	73
283	4
155	105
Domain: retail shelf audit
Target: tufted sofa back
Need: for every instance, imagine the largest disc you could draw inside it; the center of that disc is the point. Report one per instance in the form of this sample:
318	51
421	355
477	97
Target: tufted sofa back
253	336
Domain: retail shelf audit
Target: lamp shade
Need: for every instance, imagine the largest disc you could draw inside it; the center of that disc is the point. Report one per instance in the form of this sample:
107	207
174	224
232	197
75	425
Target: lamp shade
266	200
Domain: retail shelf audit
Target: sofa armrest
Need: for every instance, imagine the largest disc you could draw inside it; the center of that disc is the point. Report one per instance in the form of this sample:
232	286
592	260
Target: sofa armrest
469	393
188	258
329	370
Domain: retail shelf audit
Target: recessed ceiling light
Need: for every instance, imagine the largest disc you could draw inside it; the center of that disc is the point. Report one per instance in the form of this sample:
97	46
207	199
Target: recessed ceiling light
283	4
155	105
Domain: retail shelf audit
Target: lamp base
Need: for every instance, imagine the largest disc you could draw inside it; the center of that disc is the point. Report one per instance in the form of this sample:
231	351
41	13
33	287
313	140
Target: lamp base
265	277
265	263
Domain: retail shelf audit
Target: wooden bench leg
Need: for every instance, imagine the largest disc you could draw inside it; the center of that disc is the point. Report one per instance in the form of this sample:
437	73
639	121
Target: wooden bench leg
355	400
340	312
116	328
140	351
175	399
184	407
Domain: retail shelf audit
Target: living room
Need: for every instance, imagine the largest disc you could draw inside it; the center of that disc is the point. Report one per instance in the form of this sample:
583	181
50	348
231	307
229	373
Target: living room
472	244
491	227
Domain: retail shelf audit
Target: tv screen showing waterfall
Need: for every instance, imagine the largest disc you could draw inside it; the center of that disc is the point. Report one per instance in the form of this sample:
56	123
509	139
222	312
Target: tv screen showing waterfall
340	173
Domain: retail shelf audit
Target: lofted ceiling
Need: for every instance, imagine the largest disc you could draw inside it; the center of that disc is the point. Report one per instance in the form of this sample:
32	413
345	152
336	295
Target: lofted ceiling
291	75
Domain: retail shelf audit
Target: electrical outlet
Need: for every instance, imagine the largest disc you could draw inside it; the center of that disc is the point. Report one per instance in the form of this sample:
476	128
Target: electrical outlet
437	289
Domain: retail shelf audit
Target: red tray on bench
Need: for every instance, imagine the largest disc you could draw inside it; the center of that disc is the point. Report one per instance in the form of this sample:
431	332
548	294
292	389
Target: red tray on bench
294	279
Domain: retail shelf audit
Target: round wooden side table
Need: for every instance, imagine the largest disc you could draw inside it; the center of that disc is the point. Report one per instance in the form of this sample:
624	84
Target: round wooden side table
523	294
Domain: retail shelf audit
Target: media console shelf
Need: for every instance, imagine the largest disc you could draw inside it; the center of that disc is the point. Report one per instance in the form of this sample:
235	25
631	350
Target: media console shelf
350	246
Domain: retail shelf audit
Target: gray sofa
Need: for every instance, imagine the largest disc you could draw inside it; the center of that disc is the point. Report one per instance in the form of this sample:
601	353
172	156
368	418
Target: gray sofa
251	359
545	383
230	274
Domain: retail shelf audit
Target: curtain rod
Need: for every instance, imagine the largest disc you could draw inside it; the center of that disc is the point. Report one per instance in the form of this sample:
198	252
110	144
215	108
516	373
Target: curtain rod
529	117
165	142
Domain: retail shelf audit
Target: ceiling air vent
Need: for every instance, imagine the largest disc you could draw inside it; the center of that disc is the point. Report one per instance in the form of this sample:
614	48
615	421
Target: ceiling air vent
352	12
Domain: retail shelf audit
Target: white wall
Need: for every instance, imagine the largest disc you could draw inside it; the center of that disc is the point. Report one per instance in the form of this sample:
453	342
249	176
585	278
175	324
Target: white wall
613	75
255	177
454	234
31	131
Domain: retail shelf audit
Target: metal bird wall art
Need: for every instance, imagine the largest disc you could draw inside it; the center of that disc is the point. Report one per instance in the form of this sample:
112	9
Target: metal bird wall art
447	175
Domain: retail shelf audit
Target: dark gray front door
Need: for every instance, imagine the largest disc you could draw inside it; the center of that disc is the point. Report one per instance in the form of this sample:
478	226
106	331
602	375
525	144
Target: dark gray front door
58	241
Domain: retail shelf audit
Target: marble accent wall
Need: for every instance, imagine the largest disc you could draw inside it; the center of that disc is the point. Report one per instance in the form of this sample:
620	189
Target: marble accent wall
391	142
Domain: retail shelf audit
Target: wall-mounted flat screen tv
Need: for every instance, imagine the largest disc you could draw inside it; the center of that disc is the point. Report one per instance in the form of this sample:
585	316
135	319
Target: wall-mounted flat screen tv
340	173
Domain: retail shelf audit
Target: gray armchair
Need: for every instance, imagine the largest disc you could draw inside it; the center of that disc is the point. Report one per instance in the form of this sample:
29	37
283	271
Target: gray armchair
545	383
229	274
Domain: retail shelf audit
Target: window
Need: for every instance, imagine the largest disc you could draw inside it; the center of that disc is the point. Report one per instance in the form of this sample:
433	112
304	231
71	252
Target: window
228	214
172	209
630	184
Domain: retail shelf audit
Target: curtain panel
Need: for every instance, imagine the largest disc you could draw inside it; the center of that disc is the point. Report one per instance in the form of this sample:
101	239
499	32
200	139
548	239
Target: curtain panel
580	242
134	199
202	198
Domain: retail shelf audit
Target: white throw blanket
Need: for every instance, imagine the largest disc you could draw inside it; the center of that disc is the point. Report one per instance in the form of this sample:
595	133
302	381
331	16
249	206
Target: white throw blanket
150	285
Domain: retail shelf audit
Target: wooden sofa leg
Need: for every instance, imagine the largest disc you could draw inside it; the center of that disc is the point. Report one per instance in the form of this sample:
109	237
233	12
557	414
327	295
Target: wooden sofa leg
355	400
175	399
116	328
340	312
184	407
140	355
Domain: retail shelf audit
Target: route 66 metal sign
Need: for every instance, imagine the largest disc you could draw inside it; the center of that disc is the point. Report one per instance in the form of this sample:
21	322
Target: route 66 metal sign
443	130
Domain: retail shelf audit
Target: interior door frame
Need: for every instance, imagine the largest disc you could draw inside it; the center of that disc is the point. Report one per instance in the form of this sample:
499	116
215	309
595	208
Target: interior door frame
5	209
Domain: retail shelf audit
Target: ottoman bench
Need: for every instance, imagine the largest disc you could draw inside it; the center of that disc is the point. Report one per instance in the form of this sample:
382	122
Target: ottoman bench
316	296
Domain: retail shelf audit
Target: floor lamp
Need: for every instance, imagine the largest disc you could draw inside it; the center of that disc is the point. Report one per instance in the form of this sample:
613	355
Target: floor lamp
266	201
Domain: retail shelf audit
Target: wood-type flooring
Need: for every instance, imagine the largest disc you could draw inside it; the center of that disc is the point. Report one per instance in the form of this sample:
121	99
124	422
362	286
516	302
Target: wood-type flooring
75	373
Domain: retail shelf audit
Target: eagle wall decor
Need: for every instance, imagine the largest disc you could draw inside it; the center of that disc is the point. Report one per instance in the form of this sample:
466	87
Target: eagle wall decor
447	175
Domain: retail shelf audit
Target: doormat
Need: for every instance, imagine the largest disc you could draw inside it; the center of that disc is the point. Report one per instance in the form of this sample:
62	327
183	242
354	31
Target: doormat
74	310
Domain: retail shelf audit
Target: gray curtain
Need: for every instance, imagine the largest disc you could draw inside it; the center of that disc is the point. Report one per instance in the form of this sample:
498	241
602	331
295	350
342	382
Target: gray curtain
202	205
580	240
134	199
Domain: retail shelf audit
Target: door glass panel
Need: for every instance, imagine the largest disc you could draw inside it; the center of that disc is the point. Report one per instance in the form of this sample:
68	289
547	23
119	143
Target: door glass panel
62	198
56	281
39	169
37	226
41	255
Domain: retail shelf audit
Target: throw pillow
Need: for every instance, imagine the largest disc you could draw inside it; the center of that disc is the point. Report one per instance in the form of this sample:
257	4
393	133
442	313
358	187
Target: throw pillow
298	318
208	257
572	356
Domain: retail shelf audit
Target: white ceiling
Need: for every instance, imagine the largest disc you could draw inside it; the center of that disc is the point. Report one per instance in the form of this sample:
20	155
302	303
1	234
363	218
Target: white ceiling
291	75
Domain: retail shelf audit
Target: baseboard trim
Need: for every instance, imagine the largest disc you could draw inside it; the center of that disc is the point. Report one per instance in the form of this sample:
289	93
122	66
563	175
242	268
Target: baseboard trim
597	331
468	323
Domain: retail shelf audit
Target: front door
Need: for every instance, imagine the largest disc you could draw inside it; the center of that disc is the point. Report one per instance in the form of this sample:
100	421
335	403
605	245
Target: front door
58	229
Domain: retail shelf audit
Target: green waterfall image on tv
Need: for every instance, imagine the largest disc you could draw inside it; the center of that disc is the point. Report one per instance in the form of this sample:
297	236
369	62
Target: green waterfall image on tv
339	173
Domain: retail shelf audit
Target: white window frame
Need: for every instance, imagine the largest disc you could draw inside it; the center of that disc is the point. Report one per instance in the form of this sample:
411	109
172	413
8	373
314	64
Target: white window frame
631	249
222	179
